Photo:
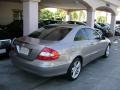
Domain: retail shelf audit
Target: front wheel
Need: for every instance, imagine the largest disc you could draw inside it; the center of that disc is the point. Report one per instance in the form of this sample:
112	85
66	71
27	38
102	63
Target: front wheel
74	70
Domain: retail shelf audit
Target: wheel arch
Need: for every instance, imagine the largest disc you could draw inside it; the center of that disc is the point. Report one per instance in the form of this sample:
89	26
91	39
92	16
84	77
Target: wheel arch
81	59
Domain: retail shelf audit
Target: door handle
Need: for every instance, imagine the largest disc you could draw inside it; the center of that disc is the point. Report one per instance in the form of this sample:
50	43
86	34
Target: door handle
73	48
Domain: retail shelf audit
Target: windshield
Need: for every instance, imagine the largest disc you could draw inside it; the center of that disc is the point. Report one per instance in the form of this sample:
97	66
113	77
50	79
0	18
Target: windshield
52	34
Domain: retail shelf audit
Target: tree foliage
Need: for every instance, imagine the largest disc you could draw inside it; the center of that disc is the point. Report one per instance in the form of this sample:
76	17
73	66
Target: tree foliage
45	14
60	14
101	19
74	16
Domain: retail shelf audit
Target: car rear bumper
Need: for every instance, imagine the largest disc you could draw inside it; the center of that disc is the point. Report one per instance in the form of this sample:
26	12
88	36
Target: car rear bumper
37	69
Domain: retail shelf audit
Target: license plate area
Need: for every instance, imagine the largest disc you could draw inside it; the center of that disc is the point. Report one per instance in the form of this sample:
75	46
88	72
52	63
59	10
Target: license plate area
23	50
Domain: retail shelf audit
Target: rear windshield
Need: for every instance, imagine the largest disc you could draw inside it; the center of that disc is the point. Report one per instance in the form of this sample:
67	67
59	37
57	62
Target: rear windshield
52	34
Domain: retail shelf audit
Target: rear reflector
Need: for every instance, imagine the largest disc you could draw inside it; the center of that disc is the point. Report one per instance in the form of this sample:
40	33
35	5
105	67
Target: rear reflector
48	54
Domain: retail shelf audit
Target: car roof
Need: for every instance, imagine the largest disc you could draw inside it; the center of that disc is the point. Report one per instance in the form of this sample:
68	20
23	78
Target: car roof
67	25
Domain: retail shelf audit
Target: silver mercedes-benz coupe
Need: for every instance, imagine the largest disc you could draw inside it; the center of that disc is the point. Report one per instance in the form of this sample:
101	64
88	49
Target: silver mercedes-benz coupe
59	49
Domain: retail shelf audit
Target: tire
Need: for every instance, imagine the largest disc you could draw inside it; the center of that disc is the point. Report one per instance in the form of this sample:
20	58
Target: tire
74	70
107	51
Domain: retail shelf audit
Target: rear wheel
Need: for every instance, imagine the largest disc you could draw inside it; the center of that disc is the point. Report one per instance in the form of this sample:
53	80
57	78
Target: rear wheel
74	70
107	52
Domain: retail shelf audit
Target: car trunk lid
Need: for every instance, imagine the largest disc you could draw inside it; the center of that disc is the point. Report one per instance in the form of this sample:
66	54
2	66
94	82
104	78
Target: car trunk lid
29	48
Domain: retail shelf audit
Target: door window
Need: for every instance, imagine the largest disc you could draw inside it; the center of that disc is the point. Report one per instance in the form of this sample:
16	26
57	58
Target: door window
80	35
91	34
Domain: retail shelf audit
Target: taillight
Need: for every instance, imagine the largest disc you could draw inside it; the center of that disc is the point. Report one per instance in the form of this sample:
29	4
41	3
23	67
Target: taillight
48	54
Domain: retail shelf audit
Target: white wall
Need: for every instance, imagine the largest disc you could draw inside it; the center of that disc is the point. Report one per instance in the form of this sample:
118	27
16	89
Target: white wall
118	14
6	15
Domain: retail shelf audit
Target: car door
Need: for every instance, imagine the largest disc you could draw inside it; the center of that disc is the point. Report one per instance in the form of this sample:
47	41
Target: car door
83	46
97	45
102	41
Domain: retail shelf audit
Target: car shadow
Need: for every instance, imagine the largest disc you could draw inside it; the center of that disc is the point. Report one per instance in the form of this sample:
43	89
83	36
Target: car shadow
4	57
34	82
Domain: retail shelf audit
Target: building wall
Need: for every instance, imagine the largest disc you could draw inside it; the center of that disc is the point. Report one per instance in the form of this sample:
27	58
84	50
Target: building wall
6	13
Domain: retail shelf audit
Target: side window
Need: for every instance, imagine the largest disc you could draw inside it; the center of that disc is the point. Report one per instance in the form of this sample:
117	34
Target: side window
80	35
91	34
